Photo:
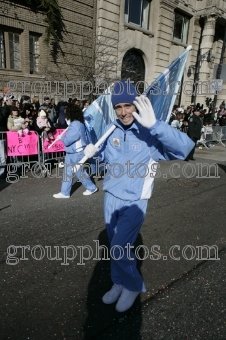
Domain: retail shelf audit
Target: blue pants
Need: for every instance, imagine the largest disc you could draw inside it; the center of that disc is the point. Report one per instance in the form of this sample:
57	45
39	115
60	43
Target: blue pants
70	161
123	222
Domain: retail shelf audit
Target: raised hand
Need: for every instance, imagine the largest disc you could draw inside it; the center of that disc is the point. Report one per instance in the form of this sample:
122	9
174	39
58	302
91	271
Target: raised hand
146	116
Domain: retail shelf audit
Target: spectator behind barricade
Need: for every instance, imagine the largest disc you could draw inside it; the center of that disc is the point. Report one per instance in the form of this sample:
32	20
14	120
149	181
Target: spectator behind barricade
85	104
189	110
217	118
53	104
62	119
1	102
1	117
28	116
222	119
207	117
77	102
202	115
24	100
204	112
2	144
222	105
187	114
49	109
44	126
59	104
6	111
35	104
177	123
16	103
173	114
16	122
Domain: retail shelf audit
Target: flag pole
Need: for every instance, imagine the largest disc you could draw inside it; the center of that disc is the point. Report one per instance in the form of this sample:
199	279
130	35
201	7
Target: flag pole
49	146
100	141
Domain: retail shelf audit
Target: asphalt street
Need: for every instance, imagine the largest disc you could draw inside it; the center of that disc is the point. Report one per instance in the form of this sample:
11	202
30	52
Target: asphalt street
45	294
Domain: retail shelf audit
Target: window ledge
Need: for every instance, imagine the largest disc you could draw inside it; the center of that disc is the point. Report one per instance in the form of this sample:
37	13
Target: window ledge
174	42
10	70
137	28
20	73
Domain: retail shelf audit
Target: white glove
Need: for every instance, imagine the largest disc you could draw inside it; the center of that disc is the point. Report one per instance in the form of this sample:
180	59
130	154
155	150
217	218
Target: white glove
58	137
146	116
90	150
68	121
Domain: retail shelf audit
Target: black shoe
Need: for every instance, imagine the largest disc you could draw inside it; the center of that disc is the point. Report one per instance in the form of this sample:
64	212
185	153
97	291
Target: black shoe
192	159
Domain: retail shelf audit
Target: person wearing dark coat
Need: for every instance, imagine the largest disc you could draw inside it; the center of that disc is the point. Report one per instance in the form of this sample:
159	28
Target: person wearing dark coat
5	112
194	130
222	120
61	122
28	116
222	106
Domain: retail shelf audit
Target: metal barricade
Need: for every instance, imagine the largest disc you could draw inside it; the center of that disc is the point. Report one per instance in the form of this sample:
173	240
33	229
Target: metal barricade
17	153
50	158
3	156
214	134
223	138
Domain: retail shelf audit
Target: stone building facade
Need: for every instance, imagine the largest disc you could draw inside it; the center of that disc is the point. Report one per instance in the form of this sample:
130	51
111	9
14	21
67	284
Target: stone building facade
146	36
29	65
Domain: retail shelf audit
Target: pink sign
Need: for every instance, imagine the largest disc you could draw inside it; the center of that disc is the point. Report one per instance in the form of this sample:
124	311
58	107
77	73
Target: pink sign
58	146
22	146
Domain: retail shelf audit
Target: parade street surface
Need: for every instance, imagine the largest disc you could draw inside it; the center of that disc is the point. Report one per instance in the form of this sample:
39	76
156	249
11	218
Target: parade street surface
43	297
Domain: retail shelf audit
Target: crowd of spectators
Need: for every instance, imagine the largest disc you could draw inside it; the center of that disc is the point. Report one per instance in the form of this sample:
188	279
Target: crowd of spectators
27	115
180	116
183	119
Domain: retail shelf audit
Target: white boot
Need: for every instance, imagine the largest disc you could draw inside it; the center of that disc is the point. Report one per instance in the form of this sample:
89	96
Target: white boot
126	300
113	294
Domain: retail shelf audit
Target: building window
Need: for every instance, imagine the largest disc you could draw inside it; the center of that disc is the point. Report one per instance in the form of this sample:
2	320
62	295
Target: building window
137	12
2	50
10	50
133	67
34	53
14	51
181	26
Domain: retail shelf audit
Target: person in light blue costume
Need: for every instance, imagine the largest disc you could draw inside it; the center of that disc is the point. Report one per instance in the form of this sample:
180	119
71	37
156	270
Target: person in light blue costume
132	151
75	141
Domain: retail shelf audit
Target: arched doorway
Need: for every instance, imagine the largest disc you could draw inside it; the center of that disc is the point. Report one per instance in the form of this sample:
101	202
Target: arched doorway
133	67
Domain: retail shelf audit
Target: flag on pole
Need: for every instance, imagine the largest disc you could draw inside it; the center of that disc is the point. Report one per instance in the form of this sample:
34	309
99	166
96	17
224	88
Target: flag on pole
98	115
163	91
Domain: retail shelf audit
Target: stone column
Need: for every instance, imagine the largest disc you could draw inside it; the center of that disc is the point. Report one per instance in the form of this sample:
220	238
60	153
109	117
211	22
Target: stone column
206	46
203	66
